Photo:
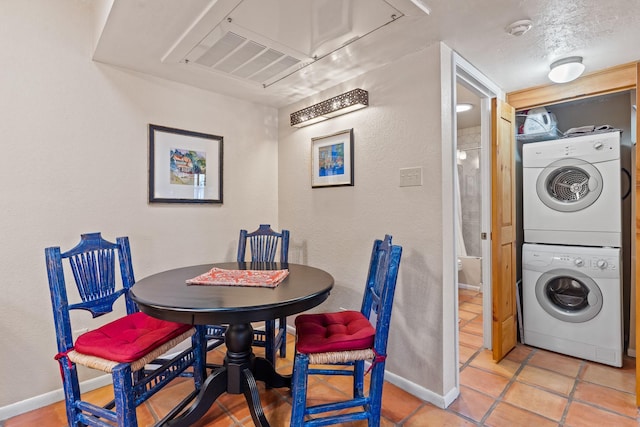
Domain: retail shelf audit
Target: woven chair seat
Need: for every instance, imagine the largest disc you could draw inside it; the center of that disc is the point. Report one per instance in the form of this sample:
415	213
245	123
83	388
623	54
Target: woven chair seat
341	356
106	365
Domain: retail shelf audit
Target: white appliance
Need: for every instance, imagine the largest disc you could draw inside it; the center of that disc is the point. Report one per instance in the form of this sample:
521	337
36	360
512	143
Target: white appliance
571	191
572	301
539	120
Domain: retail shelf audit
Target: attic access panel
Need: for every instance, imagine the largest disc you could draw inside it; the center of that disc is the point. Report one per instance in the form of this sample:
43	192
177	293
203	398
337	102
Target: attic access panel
263	41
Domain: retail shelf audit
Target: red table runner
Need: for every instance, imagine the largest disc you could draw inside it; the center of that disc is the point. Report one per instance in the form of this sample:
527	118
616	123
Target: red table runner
222	277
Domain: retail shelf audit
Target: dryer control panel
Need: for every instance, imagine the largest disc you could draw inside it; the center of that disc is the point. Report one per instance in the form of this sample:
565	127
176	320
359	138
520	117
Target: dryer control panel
593	148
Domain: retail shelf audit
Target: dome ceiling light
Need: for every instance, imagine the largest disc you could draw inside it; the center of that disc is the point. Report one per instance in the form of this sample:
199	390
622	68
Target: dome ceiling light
460	108
566	70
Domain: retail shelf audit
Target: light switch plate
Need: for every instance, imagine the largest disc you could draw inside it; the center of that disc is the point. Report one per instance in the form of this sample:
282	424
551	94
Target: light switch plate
410	177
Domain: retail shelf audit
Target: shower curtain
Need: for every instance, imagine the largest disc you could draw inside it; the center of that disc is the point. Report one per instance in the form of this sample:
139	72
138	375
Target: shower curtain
461	249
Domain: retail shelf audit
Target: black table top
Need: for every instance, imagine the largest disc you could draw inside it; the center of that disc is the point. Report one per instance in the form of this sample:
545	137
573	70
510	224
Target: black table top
166	296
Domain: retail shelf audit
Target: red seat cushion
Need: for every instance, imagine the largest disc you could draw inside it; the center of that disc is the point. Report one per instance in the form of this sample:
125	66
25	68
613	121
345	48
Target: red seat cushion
129	338
326	332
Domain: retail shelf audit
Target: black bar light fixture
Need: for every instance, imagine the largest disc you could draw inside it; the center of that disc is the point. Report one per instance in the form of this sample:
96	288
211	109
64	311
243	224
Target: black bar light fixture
353	100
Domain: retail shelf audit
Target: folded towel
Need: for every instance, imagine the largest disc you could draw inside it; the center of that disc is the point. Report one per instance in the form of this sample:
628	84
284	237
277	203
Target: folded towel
583	130
259	278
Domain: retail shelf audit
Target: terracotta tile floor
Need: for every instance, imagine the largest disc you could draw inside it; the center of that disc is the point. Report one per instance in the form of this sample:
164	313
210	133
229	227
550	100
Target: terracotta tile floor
530	387
535	387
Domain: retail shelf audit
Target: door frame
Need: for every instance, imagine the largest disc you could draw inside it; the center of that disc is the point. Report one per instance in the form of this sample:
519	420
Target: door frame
465	72
486	89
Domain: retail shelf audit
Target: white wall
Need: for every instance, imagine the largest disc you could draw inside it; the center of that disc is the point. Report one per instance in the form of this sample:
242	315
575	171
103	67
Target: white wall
74	138
335	227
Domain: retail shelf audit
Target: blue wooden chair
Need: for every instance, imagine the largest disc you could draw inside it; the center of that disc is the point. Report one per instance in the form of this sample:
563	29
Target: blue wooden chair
264	245
342	341
128	348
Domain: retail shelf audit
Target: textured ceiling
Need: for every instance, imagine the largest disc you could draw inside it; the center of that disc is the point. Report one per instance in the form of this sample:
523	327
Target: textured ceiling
139	34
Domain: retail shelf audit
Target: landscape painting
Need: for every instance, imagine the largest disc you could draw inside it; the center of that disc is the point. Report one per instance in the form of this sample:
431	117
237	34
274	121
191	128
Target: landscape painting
187	167
184	166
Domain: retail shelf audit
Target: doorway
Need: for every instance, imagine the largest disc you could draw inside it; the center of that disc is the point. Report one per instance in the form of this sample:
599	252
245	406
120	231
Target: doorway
473	87
469	188
467	78
469	252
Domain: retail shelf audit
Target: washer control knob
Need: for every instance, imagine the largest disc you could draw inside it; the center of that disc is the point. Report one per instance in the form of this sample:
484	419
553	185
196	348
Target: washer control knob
578	262
602	264
598	145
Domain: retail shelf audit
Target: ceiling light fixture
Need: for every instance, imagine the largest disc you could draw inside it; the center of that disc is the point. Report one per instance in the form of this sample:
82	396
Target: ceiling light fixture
460	108
566	70
353	100
518	28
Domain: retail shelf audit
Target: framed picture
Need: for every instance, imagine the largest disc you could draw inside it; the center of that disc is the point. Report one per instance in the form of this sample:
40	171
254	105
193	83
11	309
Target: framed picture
184	166
332	160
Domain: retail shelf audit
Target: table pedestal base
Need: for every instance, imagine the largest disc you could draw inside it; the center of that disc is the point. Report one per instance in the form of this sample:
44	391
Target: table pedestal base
238	375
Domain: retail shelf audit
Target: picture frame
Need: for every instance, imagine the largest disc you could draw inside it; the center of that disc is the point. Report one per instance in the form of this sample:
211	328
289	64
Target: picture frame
332	160
184	166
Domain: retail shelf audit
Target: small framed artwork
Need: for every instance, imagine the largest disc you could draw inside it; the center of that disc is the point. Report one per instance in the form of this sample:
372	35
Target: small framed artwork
184	166
332	160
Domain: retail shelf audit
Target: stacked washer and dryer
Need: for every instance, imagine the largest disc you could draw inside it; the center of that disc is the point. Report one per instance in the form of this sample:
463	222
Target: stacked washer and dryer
571	258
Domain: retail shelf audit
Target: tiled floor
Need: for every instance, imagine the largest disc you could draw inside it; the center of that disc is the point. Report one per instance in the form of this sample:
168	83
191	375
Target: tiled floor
534	387
530	387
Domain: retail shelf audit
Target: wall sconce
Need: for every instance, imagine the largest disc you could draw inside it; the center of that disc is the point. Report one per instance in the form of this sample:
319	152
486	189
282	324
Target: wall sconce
336	106
566	70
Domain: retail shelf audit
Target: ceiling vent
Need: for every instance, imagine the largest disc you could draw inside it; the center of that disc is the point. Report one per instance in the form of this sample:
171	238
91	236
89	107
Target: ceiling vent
238	52
260	42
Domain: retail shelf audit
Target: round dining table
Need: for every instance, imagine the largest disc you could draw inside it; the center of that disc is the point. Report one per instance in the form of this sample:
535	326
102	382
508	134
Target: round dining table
167	296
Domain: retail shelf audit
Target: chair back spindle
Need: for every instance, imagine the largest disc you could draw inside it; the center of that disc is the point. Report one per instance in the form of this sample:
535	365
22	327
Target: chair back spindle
93	264
263	244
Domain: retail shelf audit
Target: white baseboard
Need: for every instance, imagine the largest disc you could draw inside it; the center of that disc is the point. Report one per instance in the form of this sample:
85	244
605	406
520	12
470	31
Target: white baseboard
54	396
49	398
476	288
421	392
411	387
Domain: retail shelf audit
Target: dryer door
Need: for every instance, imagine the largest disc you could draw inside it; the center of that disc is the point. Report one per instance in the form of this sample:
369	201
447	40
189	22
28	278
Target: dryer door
569	295
569	185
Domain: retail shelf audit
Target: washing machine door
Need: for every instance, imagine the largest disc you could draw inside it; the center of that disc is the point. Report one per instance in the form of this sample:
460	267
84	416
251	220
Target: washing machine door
569	185
569	295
